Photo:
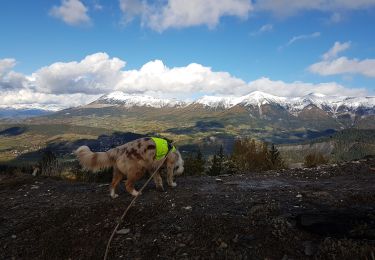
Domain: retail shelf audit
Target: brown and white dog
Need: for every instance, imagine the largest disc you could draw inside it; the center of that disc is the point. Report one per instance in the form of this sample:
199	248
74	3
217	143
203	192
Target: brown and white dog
132	160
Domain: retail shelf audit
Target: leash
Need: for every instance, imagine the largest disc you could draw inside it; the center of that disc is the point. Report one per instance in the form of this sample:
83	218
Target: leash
130	205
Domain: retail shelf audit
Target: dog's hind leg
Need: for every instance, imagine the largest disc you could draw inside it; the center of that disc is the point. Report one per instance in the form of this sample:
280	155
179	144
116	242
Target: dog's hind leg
129	184
117	177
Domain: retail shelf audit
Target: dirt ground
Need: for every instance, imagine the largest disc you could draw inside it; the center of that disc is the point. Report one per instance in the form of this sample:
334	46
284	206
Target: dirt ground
320	213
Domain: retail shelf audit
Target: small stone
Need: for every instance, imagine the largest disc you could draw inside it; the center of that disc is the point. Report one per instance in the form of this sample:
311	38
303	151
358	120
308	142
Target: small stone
223	245
14	236
299	196
309	248
235	239
123	231
181	245
187	207
219	180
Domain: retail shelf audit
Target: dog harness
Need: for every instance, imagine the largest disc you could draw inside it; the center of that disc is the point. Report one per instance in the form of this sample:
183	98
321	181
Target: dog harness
162	147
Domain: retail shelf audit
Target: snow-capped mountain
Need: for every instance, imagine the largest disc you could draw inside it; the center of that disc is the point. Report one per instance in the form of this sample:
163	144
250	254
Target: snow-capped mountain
294	105
127	100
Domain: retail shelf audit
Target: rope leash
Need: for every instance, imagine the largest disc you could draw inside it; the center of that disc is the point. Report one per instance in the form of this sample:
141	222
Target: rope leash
130	205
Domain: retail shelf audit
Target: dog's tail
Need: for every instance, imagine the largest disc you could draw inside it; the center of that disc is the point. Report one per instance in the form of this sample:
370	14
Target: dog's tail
95	161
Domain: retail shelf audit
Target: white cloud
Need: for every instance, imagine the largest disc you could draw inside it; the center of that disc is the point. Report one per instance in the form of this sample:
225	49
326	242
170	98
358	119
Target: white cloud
303	37
343	65
6	65
333	65
96	73
263	29
294	7
132	9
157	79
336	49
65	84
8	78
72	12
28	98
181	13
297	88
336	17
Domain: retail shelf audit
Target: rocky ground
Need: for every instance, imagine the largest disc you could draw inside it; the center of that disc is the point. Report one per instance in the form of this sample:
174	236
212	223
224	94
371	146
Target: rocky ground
320	213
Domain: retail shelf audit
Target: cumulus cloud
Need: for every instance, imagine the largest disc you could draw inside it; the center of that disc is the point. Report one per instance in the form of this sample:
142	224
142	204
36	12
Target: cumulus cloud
6	65
8	78
28	98
156	78
72	12
343	65
66	84
95	74
297	89
285	8
333	65
181	13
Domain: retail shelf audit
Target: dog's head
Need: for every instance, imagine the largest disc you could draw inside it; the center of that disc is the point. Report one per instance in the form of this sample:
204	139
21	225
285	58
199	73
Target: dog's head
179	165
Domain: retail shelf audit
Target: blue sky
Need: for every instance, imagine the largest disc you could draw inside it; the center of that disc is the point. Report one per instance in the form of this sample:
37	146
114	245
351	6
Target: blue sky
68	52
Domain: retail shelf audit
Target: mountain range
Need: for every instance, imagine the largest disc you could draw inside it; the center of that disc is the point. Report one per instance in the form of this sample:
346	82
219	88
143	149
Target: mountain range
258	104
331	104
207	122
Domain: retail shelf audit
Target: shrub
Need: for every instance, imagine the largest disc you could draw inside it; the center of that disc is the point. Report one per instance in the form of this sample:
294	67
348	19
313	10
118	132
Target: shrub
255	156
49	165
314	159
194	164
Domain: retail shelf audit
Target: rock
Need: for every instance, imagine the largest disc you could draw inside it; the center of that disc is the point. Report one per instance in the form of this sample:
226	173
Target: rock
123	231
187	208
299	196
309	248
14	236
219	180
34	187
223	245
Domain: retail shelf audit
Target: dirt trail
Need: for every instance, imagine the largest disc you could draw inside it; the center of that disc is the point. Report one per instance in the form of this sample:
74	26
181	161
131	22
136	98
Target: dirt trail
323	213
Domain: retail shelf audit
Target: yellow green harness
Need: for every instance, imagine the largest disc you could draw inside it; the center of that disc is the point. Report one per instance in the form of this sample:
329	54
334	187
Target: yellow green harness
162	147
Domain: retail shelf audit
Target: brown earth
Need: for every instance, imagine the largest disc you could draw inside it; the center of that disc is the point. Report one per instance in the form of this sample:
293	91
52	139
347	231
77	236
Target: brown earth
320	213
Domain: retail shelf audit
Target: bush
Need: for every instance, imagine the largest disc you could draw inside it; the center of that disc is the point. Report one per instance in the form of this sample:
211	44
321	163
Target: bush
250	155
314	159
194	164
49	165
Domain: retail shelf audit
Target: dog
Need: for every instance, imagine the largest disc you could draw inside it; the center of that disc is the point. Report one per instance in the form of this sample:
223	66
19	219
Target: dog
133	160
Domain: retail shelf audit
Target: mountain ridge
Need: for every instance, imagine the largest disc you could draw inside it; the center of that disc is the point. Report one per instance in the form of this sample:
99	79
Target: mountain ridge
331	104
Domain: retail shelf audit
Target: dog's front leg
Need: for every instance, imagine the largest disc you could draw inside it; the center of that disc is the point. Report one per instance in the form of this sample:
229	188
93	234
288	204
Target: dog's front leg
158	181
170	181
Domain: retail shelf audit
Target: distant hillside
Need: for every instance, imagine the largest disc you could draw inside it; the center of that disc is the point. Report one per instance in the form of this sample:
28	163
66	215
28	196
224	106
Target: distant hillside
206	123
22	113
345	145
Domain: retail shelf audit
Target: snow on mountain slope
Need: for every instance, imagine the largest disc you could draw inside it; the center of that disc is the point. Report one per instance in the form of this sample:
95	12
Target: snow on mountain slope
138	100
257	98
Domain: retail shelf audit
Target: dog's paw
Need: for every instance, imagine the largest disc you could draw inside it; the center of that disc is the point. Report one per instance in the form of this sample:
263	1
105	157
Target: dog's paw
173	184
113	196
135	193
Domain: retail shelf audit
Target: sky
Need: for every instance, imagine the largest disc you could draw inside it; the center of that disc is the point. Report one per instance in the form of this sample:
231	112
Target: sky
56	54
